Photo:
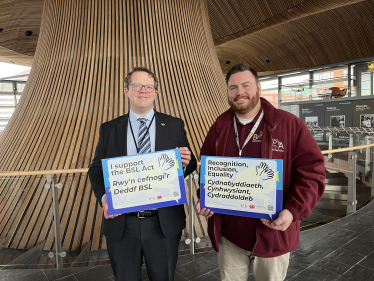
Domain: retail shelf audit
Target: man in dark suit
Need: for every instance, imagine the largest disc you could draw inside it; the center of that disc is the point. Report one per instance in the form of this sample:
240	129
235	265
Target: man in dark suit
152	234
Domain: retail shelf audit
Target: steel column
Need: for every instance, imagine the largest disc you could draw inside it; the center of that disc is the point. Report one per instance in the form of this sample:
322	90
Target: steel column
351	196
329	157
372	173
56	220
350	140
192	234
367	156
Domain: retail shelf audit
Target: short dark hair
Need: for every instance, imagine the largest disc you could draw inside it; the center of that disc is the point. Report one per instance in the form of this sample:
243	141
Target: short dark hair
240	68
127	80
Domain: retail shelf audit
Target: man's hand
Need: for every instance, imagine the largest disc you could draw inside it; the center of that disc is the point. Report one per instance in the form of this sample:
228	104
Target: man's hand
105	208
281	223
203	212
185	155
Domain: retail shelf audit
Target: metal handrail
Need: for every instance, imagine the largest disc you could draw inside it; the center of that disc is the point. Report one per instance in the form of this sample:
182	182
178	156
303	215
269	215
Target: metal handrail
42	172
353	130
85	170
343	149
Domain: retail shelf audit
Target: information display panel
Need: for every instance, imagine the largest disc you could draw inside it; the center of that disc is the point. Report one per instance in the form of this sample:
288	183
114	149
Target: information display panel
246	187
312	114
338	114
363	114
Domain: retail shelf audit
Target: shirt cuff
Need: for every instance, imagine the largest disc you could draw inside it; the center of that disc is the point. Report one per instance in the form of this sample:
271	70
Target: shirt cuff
102	198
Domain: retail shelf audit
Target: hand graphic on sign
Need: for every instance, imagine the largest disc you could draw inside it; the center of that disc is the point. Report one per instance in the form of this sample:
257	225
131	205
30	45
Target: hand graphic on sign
264	170
166	161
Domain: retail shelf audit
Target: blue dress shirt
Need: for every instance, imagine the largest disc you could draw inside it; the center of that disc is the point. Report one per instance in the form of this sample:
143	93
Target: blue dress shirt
135	123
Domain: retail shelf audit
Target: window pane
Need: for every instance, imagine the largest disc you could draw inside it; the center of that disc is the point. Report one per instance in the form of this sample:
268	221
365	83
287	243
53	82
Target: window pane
6	100
20	87
300	79
297	93
6	113
271	96
287	95
295	88
6	97
325	80
365	84
6	87
269	84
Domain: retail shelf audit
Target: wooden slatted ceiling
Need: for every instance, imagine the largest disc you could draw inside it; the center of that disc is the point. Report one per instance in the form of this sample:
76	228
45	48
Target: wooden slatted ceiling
332	36
233	19
76	83
16	17
9	56
229	20
231	16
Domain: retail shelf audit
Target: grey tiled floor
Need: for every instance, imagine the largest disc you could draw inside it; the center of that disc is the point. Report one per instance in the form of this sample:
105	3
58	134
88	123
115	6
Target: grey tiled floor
341	250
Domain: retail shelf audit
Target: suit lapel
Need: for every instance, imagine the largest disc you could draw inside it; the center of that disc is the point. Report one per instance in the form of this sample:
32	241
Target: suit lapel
122	135
161	130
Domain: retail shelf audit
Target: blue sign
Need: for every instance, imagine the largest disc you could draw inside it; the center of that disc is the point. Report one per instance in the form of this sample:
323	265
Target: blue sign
144	181
245	187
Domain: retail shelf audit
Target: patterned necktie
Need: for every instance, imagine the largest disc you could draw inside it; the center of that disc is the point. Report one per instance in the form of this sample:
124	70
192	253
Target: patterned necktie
145	146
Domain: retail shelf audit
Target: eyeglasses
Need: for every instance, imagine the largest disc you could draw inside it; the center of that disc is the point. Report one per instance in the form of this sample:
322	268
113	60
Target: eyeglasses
138	87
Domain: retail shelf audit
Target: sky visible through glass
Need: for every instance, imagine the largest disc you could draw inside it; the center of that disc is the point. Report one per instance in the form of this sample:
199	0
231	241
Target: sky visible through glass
8	69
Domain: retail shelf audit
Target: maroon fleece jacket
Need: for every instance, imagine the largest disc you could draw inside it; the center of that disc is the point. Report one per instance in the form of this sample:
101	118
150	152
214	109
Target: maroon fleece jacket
286	137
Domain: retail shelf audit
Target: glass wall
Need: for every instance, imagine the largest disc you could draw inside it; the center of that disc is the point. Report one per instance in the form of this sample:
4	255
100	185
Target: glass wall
365	83
6	87
269	91
330	83
353	90
10	93
295	87
339	81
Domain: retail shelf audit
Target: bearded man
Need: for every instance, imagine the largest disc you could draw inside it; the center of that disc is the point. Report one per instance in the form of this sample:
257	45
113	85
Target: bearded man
253	128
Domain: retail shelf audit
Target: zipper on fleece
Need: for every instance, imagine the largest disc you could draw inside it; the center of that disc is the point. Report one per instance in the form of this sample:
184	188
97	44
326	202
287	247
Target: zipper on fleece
252	256
271	138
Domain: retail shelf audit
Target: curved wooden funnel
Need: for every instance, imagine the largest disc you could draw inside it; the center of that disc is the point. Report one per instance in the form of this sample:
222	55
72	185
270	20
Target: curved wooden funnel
84	50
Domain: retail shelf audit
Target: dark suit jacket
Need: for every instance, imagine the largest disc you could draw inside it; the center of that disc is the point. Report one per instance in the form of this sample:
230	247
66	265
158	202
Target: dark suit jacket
113	143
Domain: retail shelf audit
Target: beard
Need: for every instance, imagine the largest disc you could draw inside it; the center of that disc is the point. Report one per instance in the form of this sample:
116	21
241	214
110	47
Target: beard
243	109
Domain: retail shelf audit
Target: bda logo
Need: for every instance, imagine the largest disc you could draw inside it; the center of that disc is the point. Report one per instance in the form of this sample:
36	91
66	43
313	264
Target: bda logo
257	138
277	146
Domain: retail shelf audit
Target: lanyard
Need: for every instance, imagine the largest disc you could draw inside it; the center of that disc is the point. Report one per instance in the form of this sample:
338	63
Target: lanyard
132	132
250	133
